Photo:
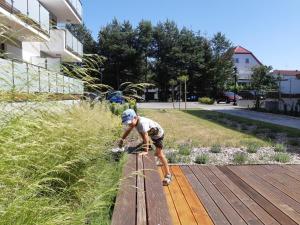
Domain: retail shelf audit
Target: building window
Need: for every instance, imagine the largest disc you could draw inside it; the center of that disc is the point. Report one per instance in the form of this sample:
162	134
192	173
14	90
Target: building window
247	61
237	60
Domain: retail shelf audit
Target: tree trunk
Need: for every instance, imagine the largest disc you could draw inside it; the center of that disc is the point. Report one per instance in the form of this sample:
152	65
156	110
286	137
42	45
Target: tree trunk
185	94
179	95
173	96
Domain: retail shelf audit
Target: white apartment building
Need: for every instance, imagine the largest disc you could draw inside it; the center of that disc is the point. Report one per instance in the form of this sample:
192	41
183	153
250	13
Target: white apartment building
36	42
289	81
244	61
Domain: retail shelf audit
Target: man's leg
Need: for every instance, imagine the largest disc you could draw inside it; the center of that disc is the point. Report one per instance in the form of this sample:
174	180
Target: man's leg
160	154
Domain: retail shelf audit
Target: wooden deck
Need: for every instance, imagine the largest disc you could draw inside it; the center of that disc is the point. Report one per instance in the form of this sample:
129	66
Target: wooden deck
220	195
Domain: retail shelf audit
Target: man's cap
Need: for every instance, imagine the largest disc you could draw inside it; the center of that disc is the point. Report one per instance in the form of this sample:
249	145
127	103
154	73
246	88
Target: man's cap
127	116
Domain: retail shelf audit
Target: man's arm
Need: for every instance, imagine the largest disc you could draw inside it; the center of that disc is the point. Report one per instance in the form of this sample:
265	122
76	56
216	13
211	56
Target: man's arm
145	138
124	136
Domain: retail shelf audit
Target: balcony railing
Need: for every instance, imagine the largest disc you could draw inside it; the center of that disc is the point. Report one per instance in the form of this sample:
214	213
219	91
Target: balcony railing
25	77
77	6
32	12
73	44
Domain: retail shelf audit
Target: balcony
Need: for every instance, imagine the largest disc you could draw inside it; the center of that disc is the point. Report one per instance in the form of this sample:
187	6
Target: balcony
28	78
63	44
25	20
66	11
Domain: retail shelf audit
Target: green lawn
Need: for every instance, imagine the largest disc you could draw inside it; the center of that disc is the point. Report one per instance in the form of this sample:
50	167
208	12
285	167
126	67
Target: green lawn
206	128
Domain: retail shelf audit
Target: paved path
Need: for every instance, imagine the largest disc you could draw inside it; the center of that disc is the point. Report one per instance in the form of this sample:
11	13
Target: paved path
232	110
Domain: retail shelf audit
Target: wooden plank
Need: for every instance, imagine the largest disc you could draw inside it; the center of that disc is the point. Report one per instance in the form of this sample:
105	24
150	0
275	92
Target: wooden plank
156	203
196	206
222	203
141	216
172	209
125	207
289	188
235	202
269	207
213	210
260	213
284	170
184	212
282	175
285	203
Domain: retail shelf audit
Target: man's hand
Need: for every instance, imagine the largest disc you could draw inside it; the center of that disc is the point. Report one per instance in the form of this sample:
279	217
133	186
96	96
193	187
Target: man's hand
121	143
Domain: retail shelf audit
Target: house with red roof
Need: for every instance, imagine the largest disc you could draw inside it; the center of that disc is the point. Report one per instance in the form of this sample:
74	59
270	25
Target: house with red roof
244	61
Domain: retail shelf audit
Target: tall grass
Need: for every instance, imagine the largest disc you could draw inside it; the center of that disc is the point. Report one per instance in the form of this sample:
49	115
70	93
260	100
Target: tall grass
55	167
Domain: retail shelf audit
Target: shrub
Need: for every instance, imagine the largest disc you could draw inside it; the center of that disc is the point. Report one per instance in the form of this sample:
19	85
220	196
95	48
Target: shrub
172	157
206	100
252	148
280	148
240	158
184	150
202	159
282	157
216	148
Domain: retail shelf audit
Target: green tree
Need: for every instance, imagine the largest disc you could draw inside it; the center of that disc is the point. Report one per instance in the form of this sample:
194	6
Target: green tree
183	79
262	81
221	66
117	43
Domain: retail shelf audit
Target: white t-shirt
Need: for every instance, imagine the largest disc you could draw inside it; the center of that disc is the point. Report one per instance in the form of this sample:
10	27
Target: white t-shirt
153	129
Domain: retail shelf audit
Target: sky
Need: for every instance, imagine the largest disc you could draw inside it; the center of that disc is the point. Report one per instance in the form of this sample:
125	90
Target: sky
268	28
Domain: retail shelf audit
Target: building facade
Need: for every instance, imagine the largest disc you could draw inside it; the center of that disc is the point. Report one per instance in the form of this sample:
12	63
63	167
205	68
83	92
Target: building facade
289	81
34	43
244	61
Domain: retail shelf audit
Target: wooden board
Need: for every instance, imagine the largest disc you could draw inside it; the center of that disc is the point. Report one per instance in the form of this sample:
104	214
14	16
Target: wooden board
285	203
184	212
157	207
269	207
171	206
141	216
126	199
232	199
194	203
256	209
213	210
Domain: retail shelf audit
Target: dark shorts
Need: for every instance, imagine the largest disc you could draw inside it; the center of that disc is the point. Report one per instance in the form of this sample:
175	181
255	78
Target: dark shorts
159	143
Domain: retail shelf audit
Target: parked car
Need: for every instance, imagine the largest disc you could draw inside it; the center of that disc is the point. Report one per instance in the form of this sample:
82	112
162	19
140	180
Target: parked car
251	94
228	97
116	97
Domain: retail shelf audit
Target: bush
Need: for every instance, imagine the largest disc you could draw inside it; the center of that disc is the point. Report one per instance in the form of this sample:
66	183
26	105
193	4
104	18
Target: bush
216	149
184	150
118	109
240	158
280	148
294	142
202	159
253	148
282	157
206	100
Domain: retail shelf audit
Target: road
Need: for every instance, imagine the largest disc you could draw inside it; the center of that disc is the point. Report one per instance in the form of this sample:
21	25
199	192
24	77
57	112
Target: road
282	120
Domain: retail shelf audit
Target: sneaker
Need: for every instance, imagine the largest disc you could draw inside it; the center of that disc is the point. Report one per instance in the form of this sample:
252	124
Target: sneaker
167	180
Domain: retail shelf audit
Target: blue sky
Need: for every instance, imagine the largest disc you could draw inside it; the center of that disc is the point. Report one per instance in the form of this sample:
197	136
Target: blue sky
268	28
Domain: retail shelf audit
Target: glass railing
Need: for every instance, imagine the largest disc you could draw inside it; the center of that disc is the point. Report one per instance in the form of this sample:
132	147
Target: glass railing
24	77
33	10
73	44
77	6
